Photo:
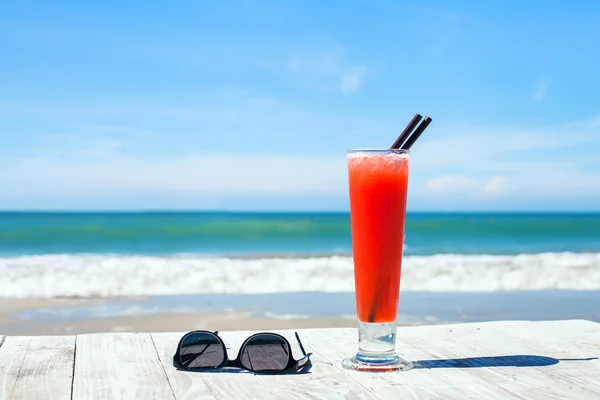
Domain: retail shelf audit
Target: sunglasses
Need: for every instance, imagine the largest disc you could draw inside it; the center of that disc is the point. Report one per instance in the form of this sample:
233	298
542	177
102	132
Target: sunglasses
265	353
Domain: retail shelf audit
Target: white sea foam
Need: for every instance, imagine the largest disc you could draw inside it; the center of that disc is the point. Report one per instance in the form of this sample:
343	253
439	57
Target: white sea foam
115	275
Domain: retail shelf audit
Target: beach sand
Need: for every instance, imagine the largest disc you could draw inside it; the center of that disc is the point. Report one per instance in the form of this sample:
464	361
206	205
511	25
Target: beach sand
170	313
13	324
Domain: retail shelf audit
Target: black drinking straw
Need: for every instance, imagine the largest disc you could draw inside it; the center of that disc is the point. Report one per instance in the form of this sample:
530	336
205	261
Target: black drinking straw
408	139
415	135
406	132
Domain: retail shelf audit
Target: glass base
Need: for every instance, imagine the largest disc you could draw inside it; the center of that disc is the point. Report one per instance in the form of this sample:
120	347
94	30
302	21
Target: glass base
377	364
376	349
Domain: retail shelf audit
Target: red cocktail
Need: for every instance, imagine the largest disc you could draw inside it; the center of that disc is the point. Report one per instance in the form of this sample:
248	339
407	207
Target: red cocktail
378	181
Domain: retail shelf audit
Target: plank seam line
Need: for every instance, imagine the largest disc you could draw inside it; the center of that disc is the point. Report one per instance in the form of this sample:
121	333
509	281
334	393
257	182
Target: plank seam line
20	367
162	366
74	358
360	384
353	378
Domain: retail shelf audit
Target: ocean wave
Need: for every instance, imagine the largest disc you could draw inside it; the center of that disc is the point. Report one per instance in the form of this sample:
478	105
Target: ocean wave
118	275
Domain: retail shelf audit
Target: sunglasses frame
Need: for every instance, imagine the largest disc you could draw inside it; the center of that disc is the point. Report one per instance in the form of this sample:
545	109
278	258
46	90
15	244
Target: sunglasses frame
292	364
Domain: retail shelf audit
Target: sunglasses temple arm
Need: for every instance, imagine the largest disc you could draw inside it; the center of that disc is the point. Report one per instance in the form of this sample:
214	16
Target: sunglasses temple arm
300	344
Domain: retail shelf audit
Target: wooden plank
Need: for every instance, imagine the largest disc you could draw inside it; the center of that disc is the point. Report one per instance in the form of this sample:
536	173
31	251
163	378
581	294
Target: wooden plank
323	380
186	385
441	350
573	365
575	346
335	345
569	345
113	366
433	341
440	344
118	366
414	384
481	340
47	370
570	338
12	354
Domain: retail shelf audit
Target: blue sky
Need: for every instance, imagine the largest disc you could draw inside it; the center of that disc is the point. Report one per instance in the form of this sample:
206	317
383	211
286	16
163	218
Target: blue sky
252	105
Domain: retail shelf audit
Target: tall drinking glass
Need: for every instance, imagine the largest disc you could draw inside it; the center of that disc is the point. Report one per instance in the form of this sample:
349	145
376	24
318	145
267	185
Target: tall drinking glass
378	180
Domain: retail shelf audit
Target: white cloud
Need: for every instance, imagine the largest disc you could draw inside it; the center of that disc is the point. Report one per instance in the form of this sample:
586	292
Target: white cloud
450	184
352	80
541	89
501	149
502	166
496	185
481	164
197	175
465	185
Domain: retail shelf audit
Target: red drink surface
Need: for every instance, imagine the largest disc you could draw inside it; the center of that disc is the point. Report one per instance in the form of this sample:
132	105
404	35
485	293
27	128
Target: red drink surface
378	187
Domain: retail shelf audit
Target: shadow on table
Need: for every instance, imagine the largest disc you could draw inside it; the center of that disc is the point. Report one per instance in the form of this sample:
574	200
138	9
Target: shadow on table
496	361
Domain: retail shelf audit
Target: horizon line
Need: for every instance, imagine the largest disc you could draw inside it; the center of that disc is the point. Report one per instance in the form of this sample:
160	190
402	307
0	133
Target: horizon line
291	211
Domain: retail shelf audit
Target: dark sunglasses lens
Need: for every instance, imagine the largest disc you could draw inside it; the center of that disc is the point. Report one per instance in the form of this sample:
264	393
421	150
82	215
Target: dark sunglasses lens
265	353
201	350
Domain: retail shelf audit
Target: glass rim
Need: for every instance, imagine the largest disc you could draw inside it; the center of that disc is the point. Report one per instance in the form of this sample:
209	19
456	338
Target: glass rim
379	150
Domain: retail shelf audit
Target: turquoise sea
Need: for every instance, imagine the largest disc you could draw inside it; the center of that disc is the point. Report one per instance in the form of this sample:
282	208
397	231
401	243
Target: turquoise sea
295	234
162	253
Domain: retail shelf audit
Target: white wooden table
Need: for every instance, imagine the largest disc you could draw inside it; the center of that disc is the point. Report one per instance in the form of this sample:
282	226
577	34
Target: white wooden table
523	360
